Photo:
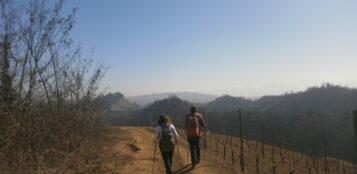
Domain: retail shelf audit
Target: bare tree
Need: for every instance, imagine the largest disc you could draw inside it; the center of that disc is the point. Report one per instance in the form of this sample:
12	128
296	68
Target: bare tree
46	87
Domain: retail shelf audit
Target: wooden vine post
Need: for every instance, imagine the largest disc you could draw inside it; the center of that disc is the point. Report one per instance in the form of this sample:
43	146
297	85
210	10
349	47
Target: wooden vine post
262	141
241	141
325	152
355	125
273	147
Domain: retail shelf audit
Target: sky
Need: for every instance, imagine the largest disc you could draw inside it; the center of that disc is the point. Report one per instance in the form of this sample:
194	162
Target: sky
236	47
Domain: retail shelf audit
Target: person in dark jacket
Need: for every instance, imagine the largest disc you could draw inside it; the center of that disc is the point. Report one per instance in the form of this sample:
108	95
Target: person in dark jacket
194	124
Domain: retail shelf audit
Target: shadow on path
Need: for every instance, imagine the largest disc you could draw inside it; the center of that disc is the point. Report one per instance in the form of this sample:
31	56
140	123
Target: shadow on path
184	169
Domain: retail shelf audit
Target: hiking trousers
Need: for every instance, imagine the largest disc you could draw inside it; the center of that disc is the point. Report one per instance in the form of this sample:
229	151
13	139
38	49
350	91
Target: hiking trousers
195	149
167	157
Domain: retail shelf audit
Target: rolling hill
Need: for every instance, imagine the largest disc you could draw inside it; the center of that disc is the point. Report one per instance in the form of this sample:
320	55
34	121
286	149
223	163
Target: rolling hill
297	119
227	102
328	99
173	106
116	102
192	97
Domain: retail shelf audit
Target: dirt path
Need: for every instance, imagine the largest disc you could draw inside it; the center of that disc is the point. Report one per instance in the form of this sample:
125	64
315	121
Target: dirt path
134	150
130	150
138	147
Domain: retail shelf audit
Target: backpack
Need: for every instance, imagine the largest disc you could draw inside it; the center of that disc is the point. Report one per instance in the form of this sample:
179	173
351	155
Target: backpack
167	142
193	127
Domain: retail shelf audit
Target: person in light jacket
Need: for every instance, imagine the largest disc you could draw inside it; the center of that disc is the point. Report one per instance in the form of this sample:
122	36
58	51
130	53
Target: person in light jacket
166	135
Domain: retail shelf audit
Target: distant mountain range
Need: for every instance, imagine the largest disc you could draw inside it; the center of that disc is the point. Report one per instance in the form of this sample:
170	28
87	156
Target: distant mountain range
325	99
192	97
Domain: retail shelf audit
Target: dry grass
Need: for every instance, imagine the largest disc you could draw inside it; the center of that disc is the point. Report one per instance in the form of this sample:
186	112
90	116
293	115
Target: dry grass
96	155
283	160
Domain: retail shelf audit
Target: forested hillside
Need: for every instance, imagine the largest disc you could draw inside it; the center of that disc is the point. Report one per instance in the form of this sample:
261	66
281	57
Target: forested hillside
116	102
327	99
227	102
172	106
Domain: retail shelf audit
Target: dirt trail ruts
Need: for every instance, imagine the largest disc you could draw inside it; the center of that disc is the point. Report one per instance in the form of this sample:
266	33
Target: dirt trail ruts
134	150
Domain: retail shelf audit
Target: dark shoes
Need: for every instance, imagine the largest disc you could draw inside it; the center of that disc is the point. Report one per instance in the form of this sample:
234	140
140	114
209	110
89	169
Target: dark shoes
195	164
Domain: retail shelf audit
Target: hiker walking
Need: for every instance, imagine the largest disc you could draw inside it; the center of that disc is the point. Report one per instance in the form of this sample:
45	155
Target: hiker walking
193	125
167	136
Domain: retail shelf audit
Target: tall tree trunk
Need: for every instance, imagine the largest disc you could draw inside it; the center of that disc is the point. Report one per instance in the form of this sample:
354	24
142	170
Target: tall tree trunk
5	77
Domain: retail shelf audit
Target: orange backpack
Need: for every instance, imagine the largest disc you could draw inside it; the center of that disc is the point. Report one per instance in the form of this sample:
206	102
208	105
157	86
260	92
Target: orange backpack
192	125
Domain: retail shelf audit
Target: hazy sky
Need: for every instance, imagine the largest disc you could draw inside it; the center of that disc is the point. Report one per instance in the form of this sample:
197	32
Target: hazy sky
237	47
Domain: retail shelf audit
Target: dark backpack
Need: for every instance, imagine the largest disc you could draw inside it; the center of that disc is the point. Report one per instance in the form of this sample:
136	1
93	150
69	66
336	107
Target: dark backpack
167	142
